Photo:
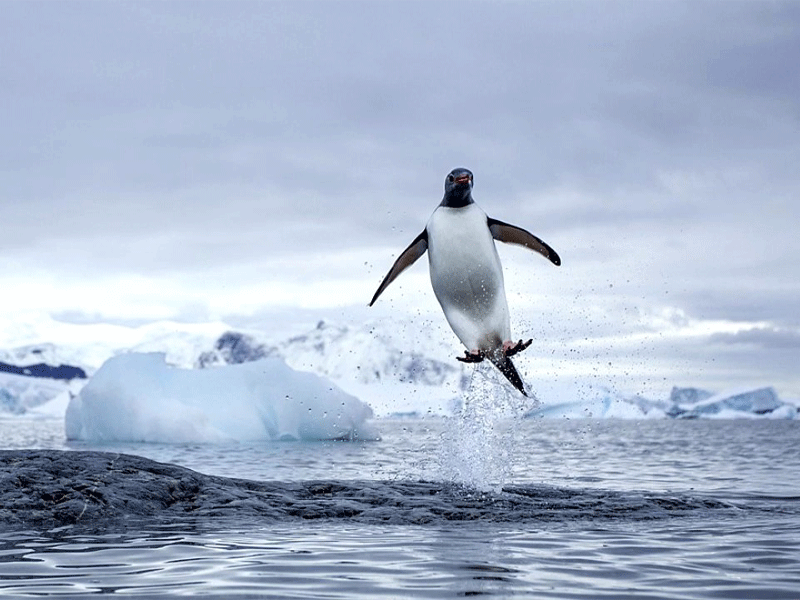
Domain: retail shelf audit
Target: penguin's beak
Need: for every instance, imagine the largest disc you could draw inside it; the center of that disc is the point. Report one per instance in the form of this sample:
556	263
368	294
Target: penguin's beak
462	179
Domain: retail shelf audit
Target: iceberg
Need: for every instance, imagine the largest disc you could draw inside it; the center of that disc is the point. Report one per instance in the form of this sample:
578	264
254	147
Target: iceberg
688	395
747	402
597	402
24	394
684	403
138	397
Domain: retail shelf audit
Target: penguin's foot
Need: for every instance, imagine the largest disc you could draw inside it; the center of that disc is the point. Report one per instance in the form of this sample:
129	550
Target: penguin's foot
511	349
475	356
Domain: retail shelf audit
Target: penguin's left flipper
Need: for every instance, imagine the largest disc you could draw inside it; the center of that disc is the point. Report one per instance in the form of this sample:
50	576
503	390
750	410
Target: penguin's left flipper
409	256
517	348
511	234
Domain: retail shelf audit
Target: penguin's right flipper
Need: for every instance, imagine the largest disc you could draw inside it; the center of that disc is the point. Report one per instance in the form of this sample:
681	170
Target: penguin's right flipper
507	368
409	256
511	234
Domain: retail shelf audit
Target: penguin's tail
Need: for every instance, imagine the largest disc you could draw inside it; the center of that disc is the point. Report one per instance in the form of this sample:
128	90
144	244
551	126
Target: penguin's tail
507	368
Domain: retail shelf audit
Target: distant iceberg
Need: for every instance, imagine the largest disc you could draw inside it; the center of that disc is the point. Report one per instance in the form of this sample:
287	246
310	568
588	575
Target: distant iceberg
747	402
597	402
137	397
26	395
684	403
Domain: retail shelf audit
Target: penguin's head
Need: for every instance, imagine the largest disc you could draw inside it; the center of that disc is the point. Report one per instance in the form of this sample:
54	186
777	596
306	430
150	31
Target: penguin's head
458	188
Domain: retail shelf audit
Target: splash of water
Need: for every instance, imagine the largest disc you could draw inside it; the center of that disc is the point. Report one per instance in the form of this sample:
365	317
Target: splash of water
478	441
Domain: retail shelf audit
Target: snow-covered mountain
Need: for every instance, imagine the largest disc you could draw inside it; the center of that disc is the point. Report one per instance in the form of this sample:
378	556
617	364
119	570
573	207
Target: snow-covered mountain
42	360
91	345
395	367
365	355
372	362
39	379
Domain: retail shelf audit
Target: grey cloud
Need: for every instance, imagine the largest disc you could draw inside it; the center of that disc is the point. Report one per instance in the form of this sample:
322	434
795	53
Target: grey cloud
765	337
757	298
185	136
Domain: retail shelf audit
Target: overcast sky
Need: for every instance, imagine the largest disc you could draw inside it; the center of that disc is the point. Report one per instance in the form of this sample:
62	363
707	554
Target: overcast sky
247	161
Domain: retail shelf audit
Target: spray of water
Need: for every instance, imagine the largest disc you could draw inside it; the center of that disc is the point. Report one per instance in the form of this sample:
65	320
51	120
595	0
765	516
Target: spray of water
478	440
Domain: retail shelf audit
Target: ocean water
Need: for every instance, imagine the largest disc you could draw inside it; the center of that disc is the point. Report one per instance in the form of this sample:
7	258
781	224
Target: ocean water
612	509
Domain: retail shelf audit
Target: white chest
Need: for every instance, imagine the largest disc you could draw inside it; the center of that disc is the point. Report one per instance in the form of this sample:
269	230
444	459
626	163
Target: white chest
460	244
467	277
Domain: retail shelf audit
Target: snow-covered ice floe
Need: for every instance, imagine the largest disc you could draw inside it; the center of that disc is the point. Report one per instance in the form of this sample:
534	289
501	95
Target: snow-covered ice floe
684	403
138	397
753	403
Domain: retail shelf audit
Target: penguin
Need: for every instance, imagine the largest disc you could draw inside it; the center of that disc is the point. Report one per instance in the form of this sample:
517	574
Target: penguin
466	274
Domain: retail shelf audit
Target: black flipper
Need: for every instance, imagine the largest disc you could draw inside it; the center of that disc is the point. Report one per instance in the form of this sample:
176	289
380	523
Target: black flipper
409	256
511	234
507	368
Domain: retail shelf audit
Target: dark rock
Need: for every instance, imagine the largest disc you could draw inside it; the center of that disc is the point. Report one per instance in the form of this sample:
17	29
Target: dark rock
234	348
53	488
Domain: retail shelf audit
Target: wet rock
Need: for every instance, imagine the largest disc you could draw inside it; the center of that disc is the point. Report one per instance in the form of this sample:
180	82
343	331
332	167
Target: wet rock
54	488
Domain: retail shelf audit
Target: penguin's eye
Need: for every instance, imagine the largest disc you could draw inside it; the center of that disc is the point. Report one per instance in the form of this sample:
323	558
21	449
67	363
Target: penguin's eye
451	178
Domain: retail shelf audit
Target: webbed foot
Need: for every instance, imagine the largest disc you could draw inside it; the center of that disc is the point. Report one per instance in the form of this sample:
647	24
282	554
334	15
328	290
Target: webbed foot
511	349
475	356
